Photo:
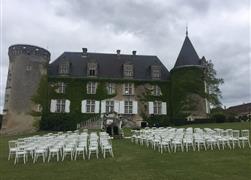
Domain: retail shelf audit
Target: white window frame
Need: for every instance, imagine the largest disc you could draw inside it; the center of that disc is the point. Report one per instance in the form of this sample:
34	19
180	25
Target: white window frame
91	87
109	106
110	88
90	106
92	69
128	70
60	105
64	68
128	107
128	89
156	91
61	87
157	107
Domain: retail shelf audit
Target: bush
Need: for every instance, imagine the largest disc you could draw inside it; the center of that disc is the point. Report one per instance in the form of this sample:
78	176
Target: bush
62	122
158	121
219	118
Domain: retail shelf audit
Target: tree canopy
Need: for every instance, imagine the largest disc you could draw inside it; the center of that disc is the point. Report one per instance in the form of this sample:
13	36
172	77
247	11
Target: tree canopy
212	84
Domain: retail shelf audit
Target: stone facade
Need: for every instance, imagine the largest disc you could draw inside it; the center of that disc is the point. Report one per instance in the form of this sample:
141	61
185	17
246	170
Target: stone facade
27	64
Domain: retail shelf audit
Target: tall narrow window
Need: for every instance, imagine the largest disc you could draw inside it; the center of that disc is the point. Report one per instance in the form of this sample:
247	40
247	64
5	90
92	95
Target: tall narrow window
91	87
128	107
109	106
60	106
156	91
61	87
128	88
110	88
90	106
157	107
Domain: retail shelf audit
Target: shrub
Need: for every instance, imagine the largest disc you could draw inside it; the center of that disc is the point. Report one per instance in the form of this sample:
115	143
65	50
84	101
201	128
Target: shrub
219	117
158	120
62	122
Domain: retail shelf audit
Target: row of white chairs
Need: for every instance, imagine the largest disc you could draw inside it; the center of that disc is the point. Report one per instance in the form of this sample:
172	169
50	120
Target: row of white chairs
171	139
60	145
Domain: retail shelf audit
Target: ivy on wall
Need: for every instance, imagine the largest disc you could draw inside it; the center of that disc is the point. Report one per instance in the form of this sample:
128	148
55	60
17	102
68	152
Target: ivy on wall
76	91
177	92
185	82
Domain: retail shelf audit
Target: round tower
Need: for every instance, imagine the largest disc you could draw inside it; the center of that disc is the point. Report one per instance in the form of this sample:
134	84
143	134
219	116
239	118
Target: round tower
188	85
27	64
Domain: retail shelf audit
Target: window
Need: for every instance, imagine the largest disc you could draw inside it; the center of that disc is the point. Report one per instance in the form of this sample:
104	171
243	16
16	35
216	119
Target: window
109	106
92	69
128	107
61	87
128	88
28	68
60	106
156	72
128	70
156	91
157	107
90	106
64	68
110	88
91	87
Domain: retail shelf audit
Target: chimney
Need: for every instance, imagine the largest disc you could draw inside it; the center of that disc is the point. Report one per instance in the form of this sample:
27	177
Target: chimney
118	52
84	52
134	53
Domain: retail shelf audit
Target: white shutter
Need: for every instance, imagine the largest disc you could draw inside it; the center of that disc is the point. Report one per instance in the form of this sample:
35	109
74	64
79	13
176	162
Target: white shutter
53	105
122	107
124	93
116	106
83	106
133	89
67	106
135	107
103	106
163	108
150	107
96	106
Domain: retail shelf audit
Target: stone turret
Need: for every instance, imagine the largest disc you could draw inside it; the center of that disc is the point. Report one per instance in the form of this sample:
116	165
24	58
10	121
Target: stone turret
27	64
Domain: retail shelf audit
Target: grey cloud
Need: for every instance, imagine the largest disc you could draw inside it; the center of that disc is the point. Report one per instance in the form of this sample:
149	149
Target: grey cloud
155	27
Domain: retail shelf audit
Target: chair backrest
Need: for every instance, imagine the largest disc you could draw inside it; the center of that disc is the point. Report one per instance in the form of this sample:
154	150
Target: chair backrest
12	144
245	133
236	133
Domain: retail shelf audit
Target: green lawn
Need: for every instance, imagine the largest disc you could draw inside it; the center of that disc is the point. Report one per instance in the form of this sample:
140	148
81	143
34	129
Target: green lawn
136	162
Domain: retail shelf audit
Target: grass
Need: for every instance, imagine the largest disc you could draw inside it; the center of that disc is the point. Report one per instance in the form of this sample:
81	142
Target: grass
137	162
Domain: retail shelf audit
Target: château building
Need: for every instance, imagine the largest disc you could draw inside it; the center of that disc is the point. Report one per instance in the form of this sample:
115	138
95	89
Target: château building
82	85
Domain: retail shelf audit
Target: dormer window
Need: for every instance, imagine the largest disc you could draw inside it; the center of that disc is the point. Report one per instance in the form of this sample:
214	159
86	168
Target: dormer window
155	72
92	69
128	70
64	68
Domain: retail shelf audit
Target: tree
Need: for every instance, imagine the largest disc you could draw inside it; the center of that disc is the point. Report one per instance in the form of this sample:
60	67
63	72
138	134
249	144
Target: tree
213	93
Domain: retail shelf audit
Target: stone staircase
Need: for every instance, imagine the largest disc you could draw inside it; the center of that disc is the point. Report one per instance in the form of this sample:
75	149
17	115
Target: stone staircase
92	123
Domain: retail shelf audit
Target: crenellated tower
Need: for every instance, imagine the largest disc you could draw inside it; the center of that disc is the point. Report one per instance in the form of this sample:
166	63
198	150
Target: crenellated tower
27	64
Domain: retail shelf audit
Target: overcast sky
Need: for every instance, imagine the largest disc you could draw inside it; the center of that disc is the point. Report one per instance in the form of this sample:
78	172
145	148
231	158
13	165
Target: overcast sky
219	30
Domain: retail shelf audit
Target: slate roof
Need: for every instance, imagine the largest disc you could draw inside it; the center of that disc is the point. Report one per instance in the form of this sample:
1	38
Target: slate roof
187	55
109	65
240	109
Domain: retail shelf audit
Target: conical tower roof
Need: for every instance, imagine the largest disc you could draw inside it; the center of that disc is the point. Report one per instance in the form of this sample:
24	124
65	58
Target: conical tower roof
187	55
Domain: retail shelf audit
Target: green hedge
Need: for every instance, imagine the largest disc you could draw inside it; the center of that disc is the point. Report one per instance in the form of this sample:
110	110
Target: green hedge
62	121
158	120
